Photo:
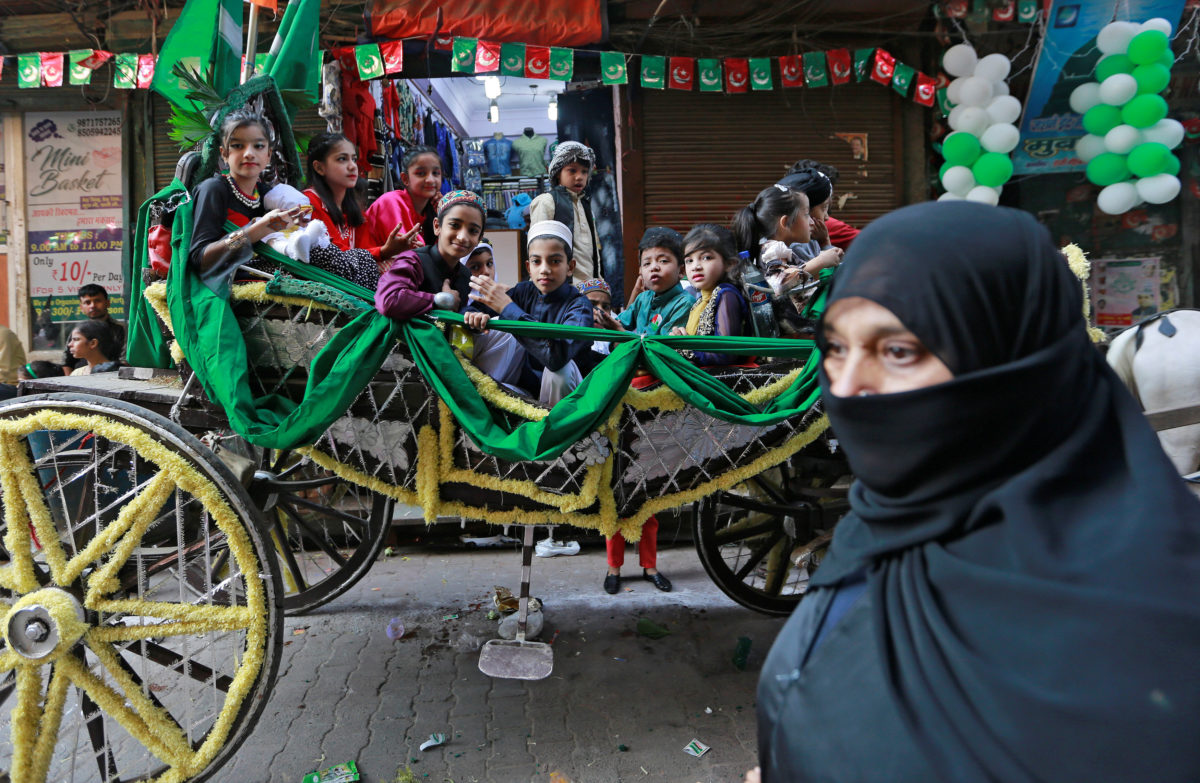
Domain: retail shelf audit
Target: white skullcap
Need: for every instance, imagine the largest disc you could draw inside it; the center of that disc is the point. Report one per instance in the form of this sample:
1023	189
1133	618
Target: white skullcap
550	228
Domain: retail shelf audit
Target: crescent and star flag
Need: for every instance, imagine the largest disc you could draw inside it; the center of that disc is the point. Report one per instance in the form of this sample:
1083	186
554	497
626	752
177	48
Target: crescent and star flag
512	59
760	73
369	60
462	57
392	53
884	66
653	72
840	67
294	59
1006	12
487	57
926	92
791	71
613	69
862	64
902	76
683	73
708	73
537	62
562	63
125	72
737	74
52	68
145	70
816	72
1027	10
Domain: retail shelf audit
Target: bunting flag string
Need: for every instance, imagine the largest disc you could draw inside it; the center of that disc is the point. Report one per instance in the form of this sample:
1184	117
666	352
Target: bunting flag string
730	75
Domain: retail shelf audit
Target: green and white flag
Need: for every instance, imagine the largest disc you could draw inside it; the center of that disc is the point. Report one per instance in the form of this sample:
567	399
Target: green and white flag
562	63
512	59
125	72
816	69
462	58
207	37
654	71
29	70
1027	10
902	78
862	63
708	73
760	73
294	59
369	61
76	73
612	68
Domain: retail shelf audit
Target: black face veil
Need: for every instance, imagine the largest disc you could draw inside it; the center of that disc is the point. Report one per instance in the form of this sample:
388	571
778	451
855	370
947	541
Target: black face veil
1033	560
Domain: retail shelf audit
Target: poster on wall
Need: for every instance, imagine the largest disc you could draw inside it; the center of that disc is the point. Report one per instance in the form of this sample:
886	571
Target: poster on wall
1125	290
74	192
1066	59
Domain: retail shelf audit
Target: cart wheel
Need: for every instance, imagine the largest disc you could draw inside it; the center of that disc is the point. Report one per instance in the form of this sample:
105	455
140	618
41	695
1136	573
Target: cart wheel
762	541
326	531
116	664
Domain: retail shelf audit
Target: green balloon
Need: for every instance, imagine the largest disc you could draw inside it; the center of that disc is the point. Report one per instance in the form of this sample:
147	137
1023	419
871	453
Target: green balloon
960	148
1151	79
992	169
1102	118
1113	64
1167	59
1107	168
1143	111
942	171
1147	46
1146	160
1172	166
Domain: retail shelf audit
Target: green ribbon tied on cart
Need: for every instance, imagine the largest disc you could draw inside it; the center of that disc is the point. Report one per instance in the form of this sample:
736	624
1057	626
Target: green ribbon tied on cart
210	336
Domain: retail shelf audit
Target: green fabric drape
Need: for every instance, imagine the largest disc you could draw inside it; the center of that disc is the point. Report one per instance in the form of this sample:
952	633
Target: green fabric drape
209	334
145	346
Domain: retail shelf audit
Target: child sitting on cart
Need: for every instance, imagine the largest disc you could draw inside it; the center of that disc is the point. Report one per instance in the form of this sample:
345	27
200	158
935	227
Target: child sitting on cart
544	364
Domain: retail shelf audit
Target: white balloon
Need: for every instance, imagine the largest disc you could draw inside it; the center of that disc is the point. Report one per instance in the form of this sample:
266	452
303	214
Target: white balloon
1089	146
1157	23
1084	97
1004	109
948	196
1117	199
1000	88
984	195
1122	139
952	91
1168	132
1158	189
960	60
975	92
1118	89
1115	37
973	120
1001	138
993	68
958	180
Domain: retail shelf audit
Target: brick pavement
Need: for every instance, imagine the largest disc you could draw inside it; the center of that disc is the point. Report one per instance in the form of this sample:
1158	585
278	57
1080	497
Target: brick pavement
345	691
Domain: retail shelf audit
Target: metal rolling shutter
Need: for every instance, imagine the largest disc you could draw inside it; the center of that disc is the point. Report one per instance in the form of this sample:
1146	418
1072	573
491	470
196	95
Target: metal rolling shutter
166	152
705	156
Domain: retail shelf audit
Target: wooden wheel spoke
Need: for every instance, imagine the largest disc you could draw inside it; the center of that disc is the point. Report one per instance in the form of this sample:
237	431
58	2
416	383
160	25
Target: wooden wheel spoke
152	727
169	659
143	508
777	567
317	536
25	511
104	580
328	511
35	722
187	619
130	582
279	536
756	556
98	736
752	526
8	685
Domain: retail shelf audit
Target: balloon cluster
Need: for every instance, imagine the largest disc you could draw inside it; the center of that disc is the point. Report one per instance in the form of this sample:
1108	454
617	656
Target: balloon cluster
1129	139
977	152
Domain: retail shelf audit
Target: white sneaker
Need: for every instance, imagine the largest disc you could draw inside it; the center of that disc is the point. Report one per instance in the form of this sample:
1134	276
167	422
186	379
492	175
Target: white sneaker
548	547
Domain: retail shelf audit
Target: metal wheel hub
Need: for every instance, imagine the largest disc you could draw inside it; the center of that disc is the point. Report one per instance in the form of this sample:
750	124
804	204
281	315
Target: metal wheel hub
44	621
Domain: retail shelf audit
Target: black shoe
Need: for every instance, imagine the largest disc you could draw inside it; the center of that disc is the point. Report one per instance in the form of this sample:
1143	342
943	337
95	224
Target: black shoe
612	583
660	581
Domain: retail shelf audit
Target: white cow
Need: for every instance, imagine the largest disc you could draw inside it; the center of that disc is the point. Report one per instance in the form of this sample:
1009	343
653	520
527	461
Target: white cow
1164	372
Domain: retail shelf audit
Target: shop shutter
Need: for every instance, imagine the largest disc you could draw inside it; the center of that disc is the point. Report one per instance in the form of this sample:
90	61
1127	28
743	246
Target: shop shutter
166	151
705	156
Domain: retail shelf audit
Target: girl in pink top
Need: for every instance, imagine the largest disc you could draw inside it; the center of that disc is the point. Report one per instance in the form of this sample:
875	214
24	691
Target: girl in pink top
415	205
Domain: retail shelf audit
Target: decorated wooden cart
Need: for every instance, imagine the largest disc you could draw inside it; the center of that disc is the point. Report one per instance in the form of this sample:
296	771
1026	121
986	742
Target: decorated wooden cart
157	524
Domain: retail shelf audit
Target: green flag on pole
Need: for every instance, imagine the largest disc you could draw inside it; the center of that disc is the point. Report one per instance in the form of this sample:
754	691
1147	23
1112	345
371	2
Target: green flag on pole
612	68
462	60
512	59
207	37
294	59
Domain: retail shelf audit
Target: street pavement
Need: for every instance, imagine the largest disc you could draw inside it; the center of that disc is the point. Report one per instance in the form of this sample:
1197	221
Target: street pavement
618	706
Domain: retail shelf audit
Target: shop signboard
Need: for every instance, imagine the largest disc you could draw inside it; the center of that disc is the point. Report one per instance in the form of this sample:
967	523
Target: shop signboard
1125	290
1067	58
74	192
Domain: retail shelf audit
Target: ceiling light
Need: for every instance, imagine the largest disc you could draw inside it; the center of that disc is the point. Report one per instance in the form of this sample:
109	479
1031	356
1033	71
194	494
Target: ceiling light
493	112
552	108
491	87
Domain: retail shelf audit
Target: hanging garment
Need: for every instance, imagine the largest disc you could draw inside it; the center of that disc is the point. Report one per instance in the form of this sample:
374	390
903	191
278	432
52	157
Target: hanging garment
531	152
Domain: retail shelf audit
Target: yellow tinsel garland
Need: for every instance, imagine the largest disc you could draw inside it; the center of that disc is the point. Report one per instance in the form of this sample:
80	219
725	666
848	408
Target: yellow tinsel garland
33	734
1082	269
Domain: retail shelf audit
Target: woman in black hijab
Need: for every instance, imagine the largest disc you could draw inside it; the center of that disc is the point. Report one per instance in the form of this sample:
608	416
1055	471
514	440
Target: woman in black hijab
1015	595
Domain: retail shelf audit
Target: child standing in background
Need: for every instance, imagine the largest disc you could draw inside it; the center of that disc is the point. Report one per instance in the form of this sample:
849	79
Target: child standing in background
415	205
544	364
566	203
710	261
